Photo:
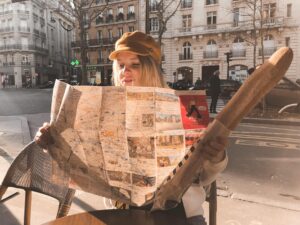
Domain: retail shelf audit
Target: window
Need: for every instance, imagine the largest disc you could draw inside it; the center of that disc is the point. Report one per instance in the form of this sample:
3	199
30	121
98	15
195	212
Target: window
212	20
287	41
269	10
186	22
131	9
211	49
154	25
25	58
100	35
238	40
131	28
110	34
289	10
110	11
120	9
153	5
187	54
236	17
238	47
120	31
186	4
211	2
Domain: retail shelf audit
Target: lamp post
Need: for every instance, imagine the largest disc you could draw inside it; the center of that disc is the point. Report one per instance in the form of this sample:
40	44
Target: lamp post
67	28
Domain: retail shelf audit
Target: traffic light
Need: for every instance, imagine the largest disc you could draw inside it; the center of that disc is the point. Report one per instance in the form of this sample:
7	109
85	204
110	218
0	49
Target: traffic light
228	56
75	62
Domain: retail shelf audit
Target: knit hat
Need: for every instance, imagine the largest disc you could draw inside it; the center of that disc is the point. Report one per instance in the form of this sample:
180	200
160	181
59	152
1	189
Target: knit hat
138	43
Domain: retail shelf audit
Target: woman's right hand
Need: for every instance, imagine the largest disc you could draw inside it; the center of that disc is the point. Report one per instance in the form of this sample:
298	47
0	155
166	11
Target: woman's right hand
43	137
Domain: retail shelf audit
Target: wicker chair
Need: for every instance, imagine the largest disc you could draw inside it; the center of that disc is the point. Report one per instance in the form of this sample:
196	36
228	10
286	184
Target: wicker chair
34	170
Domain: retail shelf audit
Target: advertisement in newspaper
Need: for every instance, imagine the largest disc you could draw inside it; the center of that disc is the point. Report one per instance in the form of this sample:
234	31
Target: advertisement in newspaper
122	142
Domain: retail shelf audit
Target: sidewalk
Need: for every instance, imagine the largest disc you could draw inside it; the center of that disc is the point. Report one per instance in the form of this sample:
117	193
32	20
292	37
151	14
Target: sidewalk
15	133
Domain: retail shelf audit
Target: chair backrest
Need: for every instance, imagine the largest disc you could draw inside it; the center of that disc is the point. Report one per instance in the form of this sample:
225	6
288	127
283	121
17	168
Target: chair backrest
34	170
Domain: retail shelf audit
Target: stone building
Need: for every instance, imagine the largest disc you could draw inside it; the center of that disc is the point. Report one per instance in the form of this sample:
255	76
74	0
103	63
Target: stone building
33	48
200	34
119	16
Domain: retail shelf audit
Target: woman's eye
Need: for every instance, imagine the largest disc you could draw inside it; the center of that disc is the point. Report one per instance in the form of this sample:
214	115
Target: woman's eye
136	65
121	66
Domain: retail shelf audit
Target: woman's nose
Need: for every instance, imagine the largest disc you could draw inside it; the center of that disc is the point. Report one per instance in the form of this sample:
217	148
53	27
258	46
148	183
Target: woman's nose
126	69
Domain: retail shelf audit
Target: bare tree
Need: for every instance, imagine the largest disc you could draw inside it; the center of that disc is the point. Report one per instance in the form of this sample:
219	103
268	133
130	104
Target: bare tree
163	10
84	13
256	22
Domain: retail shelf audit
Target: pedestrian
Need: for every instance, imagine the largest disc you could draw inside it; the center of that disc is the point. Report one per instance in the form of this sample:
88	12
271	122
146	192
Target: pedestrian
3	81
215	90
136	62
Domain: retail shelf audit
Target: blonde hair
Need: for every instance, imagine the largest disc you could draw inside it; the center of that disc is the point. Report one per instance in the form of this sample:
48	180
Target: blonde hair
150	73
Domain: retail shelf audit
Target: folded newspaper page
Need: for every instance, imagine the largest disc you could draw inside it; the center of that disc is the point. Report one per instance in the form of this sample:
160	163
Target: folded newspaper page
122	142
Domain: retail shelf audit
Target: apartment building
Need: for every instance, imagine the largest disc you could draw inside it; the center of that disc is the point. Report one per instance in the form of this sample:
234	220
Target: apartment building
118	17
200	34
33	48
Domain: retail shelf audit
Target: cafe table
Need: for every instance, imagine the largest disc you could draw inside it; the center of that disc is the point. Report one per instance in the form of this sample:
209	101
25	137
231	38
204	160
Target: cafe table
122	217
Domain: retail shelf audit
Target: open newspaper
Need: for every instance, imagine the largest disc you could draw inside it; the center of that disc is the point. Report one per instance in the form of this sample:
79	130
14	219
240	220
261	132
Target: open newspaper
122	142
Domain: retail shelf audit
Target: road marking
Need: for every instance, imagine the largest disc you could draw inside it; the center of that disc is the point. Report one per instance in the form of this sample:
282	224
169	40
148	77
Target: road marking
278	144
266	138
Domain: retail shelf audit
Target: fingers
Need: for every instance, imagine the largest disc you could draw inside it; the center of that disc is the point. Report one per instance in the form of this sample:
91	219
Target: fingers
214	150
43	137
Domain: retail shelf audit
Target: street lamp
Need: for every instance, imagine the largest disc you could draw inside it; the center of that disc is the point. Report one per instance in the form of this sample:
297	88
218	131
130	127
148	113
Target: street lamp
68	29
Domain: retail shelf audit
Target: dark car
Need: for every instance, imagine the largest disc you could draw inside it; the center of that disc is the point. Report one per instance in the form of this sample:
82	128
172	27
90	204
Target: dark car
285	93
47	84
181	85
228	87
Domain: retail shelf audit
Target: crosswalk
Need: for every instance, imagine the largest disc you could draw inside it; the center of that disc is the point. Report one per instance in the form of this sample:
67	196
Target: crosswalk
220	103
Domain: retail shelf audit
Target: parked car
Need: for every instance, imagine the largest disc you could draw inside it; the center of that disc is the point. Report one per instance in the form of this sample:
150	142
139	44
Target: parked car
285	93
228	87
180	85
47	84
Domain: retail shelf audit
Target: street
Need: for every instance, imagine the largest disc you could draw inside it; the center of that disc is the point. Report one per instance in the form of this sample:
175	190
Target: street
263	169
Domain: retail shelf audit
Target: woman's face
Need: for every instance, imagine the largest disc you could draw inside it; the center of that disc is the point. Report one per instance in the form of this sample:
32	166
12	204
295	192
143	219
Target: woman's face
130	69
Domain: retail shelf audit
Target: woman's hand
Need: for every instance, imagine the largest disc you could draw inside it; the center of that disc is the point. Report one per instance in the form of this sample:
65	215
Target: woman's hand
43	137
214	151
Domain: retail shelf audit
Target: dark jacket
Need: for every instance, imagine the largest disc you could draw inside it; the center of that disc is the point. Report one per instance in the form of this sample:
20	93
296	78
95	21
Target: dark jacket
215	84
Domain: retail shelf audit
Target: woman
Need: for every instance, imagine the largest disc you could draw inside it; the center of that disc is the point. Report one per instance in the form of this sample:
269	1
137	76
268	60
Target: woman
136	62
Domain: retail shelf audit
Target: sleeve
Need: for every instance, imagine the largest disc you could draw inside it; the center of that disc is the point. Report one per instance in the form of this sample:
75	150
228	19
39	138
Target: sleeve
211	170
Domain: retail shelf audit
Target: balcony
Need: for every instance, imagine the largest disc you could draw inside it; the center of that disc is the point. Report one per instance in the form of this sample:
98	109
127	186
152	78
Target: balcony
6	29
24	29
211	26
25	63
238	53
99	20
131	16
210	54
268	51
110	18
96	42
186	4
120	17
185	56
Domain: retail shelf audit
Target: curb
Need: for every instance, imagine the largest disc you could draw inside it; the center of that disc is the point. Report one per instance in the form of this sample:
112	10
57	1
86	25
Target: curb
286	122
290	122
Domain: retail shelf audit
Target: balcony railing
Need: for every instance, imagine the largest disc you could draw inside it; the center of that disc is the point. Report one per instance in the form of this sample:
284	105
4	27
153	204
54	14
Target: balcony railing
131	16
210	54
96	42
24	29
104	61
99	20
185	56
186	4
211	26
238	53
6	29
267	51
110	18
120	17
25	63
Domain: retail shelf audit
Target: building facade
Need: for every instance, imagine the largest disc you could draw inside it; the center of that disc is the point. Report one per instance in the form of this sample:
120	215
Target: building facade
119	16
200	34
33	49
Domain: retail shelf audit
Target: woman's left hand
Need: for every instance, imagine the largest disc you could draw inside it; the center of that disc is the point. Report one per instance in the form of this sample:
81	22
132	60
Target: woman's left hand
214	150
